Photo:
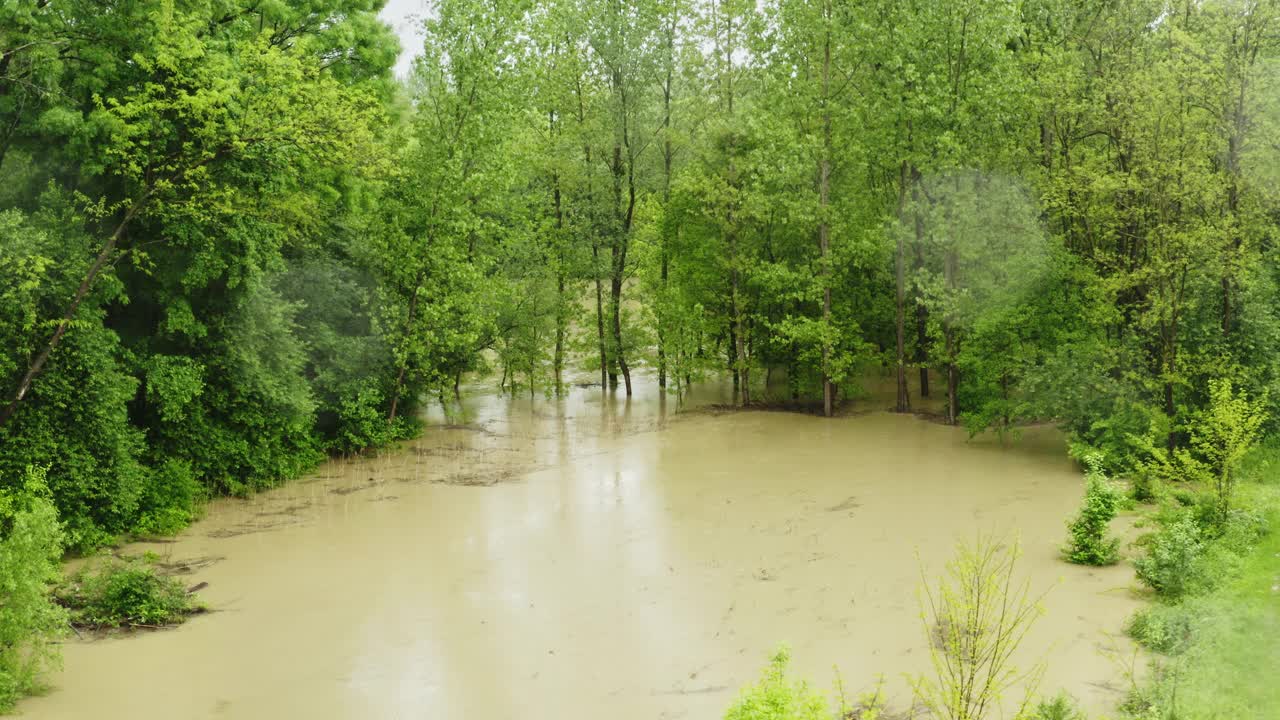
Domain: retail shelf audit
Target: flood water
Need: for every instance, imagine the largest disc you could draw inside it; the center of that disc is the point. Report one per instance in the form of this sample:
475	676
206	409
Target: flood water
592	558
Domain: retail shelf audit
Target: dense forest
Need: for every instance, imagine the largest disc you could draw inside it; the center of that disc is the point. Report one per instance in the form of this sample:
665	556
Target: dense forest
232	243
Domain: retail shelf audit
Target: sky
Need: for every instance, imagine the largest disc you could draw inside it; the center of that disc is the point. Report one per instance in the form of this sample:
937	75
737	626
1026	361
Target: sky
405	16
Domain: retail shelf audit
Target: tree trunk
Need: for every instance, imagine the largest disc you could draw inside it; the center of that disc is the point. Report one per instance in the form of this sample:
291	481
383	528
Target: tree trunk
922	315
618	262
622	166
733	357
562	311
952	344
615	299
668	154
824	225
605	375
953	381
900	273
595	242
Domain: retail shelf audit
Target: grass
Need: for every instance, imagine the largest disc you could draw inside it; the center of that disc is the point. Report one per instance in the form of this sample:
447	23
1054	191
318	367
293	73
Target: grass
1227	668
1229	671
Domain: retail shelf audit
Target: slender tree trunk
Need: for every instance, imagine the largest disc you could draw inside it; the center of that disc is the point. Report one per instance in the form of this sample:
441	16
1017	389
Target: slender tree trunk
744	361
1233	208
900	273
922	315
618	263
952	345
1233	212
607	379
824	225
668	155
662	331
733	356
953	380
1246	54
558	255
595	242
1004	397
562	310
561	326
615	299
86	284
1170	406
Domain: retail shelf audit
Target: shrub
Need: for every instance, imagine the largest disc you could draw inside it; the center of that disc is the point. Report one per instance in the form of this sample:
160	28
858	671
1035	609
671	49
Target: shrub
1144	485
30	549
1165	629
1172	565
170	500
125	594
1087	542
777	697
1060	707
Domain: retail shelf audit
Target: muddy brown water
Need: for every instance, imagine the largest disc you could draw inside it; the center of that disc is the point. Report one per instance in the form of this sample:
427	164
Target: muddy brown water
594	558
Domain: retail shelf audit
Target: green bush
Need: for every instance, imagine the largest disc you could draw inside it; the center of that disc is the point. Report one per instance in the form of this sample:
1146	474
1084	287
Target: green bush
125	594
1144	485
777	697
1087	541
30	548
170	500
1060	707
1173	565
1165	629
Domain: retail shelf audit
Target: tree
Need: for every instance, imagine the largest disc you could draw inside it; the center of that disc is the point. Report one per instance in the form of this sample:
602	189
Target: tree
1226	432
975	620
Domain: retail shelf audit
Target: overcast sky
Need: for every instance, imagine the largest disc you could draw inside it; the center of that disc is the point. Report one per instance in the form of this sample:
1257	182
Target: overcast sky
406	17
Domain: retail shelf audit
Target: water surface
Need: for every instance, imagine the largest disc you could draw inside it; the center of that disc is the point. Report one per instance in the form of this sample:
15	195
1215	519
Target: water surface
592	558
